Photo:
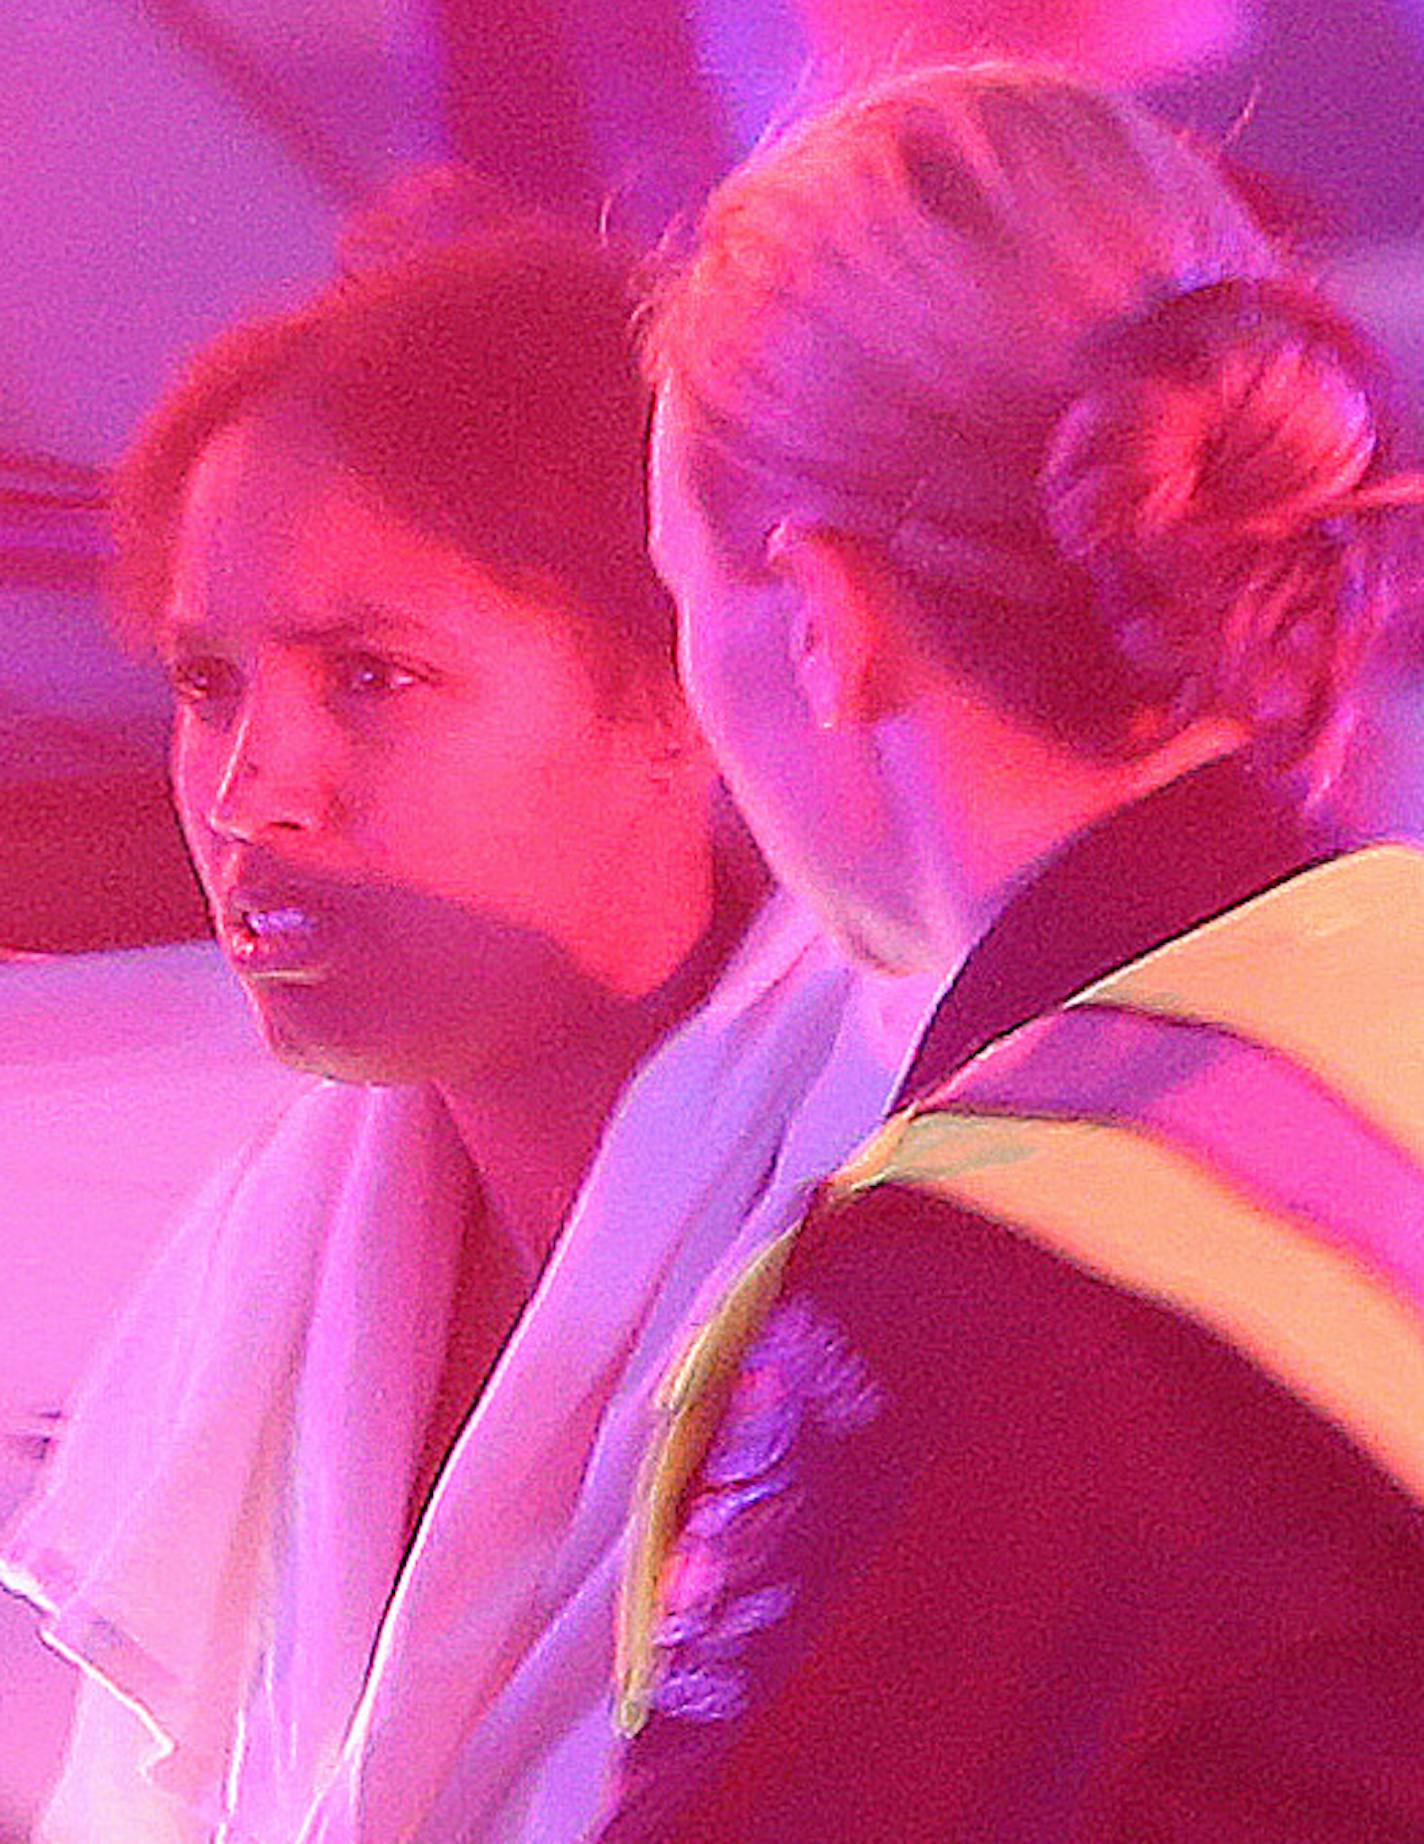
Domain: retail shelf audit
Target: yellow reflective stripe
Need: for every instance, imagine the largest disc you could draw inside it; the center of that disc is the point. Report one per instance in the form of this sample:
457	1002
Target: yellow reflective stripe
1328	968
1145	1217
691	1402
866	1165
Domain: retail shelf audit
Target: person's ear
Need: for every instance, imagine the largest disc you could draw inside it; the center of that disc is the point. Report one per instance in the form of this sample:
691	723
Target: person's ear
834	624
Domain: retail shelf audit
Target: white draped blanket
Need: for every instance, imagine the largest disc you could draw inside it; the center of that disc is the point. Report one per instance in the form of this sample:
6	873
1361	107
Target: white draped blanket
222	1525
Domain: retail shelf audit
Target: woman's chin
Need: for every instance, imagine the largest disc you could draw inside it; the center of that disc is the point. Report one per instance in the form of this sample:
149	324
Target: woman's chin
316	1041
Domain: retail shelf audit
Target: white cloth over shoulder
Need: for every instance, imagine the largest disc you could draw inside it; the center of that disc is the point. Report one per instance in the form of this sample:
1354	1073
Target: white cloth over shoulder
223	1526
487	1716
297	1317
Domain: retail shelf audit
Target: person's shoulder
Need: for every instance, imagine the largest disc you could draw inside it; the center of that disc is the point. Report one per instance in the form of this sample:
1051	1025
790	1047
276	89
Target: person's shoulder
1003	1361
926	1286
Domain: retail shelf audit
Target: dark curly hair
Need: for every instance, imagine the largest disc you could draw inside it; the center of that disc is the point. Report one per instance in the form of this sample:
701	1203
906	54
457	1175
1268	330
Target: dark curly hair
486	392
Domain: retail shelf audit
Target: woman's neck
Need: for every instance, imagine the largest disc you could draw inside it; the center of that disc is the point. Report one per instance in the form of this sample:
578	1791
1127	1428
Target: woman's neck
992	801
532	1141
532	1124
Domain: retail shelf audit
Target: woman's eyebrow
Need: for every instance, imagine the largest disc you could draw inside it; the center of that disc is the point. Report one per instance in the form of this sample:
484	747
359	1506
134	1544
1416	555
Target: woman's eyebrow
352	622
347	624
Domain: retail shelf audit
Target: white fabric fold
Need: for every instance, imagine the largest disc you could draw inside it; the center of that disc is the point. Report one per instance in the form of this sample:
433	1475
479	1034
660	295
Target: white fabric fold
487	1713
221	1529
286	1299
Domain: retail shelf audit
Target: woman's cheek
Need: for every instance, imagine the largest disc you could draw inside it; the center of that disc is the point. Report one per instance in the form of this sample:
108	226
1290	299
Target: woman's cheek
193	773
765	703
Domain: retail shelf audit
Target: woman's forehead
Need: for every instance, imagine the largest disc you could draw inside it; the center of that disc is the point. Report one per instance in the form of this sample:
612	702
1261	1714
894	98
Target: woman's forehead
277	529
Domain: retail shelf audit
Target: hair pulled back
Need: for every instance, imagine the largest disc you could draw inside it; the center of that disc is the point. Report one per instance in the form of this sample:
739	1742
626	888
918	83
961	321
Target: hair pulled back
1026	340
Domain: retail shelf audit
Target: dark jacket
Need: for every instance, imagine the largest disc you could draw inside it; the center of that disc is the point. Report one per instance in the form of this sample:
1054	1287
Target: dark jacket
989	1549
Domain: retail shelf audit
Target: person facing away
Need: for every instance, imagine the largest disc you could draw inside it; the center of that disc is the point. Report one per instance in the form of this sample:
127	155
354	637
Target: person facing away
1061	1474
457	834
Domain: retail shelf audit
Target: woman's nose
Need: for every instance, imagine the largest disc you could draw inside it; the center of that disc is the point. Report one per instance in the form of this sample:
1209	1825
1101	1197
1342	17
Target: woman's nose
274	781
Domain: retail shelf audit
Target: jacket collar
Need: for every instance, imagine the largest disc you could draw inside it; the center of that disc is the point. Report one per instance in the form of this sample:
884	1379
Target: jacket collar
1144	874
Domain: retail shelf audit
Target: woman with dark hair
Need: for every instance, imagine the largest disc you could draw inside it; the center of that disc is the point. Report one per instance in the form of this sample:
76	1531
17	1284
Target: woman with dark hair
1061	1475
461	846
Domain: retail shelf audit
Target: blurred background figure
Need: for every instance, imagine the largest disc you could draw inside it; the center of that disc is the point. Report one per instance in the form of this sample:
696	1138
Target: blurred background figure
1122	42
424	208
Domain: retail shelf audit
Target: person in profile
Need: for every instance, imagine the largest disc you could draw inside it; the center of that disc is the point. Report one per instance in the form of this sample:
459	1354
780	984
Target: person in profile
462	845
1061	1474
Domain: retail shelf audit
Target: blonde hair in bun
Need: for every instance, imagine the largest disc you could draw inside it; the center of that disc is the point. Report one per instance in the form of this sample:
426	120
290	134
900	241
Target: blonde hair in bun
1221	480
1032	344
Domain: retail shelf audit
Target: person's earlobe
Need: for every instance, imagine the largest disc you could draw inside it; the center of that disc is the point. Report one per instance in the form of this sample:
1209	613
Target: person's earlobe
830	626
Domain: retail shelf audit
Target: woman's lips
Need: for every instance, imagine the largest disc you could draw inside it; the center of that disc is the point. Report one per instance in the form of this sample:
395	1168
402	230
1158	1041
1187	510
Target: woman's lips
277	941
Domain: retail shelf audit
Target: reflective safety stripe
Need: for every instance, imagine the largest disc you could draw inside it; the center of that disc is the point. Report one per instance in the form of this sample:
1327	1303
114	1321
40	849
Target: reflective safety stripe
1149	1218
1263	1124
1327	968
689	1404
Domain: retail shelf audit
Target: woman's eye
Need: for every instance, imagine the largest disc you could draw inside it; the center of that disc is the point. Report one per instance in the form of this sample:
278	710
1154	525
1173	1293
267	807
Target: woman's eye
202	684
373	675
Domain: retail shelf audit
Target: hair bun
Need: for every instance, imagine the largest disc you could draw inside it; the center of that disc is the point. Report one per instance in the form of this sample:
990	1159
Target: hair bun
1207	481
1232	414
